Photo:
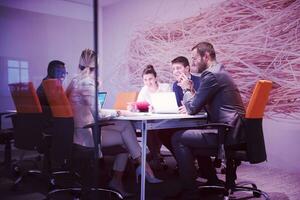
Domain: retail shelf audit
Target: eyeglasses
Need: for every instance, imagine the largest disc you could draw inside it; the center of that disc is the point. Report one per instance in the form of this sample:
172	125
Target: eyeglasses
61	74
81	67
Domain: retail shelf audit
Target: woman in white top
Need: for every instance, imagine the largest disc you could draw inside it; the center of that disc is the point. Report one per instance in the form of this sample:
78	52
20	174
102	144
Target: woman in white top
81	94
151	85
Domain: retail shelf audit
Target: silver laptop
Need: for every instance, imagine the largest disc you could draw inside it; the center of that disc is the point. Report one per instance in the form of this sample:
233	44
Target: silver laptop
164	102
101	99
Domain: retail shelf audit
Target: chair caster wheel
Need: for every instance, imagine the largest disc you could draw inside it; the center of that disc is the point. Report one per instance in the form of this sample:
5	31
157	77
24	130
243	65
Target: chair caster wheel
256	194
16	170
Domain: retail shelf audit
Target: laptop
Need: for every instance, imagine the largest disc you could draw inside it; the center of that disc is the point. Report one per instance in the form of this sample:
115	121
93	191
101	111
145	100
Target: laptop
101	99
164	102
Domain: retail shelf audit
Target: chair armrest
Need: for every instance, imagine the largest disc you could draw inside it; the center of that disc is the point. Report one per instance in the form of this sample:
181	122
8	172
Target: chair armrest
223	129
10	115
215	126
97	135
100	124
46	135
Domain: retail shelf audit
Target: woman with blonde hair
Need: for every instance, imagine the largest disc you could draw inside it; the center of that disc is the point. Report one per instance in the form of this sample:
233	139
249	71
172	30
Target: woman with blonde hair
81	94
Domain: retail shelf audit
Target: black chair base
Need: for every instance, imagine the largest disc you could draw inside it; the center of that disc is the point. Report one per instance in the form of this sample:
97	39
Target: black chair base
237	188
231	186
21	172
23	175
50	180
79	190
6	138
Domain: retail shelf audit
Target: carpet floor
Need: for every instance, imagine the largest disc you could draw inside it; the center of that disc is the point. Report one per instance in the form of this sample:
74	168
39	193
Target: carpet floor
279	184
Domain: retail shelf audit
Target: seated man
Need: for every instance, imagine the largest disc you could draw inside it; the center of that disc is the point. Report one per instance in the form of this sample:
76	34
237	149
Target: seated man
181	66
221	98
56	70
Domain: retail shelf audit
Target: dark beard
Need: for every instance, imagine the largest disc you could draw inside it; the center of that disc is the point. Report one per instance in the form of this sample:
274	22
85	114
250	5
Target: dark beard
201	67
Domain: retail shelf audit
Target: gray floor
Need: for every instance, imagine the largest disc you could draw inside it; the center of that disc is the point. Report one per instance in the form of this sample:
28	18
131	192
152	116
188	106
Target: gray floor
279	184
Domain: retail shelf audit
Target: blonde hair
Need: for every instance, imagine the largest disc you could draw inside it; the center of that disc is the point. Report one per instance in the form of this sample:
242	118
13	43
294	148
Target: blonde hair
87	61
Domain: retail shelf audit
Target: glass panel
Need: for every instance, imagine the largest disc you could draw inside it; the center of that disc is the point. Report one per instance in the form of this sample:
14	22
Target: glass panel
24	75
13	63
13	75
24	64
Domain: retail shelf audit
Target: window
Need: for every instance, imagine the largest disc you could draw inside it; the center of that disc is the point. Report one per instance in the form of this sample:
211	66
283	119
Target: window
17	71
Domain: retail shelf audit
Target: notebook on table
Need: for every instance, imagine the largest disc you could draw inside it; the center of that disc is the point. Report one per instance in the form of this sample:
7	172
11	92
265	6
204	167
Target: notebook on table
164	102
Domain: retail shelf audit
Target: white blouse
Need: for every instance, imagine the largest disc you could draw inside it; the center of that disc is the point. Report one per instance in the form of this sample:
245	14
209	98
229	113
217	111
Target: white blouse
145	93
81	94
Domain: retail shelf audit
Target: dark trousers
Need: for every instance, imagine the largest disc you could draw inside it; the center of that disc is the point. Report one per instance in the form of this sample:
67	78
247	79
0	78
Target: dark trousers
154	144
85	163
184	142
165	136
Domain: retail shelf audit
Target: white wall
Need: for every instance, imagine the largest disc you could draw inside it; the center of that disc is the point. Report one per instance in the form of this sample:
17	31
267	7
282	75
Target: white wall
39	38
119	24
122	19
282	138
52	7
66	10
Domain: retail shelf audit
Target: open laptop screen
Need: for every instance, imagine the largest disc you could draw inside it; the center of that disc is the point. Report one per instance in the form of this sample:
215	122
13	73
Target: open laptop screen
101	99
164	102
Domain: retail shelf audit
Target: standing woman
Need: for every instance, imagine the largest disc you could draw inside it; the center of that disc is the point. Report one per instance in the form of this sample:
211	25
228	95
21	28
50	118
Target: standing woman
81	94
151	85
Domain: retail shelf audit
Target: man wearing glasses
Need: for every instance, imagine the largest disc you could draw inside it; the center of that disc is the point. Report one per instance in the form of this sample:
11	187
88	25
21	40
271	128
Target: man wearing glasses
56	70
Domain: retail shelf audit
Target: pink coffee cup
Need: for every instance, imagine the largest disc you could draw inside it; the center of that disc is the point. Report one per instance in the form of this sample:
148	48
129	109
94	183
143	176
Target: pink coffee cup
142	106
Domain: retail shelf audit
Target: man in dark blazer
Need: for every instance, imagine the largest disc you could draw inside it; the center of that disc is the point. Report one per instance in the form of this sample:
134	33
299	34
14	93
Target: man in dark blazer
221	98
181	67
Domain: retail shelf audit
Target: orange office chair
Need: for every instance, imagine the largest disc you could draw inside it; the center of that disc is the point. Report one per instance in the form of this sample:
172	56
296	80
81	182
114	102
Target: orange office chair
123	98
252	151
28	124
63	150
25	98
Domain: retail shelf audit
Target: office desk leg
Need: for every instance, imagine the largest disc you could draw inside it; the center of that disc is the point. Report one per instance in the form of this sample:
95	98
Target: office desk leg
144	154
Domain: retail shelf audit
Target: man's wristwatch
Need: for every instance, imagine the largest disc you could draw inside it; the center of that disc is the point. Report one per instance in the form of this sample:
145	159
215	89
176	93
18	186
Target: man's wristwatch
186	90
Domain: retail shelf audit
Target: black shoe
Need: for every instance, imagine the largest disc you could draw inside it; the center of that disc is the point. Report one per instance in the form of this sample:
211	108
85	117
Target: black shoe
202	175
124	194
176	170
191	195
163	163
184	195
216	182
212	187
158	164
